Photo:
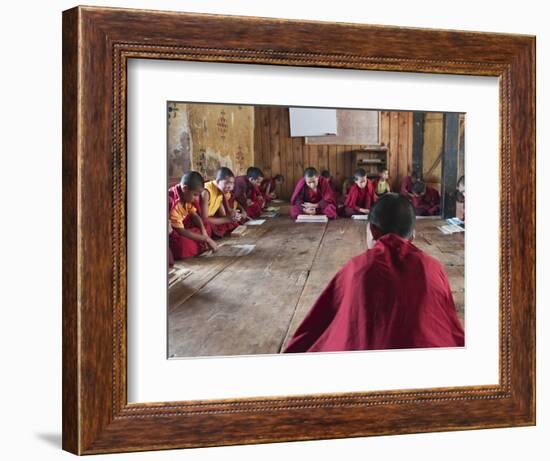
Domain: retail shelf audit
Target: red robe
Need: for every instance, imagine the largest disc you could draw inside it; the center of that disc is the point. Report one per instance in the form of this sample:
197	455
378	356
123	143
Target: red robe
181	247
245	190
323	195
406	186
216	231
427	204
359	198
268	182
393	296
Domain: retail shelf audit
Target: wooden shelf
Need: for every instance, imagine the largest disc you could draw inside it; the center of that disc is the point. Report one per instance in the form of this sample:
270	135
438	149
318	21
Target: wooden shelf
372	159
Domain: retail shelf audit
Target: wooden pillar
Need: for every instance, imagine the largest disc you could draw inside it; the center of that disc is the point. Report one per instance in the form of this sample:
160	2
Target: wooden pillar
418	142
450	157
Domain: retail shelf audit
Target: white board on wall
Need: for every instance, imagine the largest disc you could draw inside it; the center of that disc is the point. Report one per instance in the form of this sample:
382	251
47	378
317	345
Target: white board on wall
305	121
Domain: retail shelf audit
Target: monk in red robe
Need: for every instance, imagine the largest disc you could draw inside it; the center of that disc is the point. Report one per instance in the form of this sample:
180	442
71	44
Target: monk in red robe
214	207
269	185
312	195
425	200
361	195
336	190
407	184
188	235
247	192
393	296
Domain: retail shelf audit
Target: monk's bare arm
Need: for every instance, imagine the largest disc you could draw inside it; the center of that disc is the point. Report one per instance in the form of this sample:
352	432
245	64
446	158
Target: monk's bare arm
205	202
204	210
196	219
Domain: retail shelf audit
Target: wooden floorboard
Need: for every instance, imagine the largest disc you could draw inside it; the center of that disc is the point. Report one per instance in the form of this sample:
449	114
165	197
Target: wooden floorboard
247	306
344	239
253	304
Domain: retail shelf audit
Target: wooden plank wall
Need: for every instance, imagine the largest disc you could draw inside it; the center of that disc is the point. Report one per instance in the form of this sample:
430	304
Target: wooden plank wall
276	152
396	132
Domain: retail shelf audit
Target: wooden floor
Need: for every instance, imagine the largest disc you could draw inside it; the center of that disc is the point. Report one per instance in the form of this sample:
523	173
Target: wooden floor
229	305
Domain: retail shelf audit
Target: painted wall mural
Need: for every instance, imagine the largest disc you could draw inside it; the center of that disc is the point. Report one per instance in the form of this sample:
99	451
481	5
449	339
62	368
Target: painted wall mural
204	137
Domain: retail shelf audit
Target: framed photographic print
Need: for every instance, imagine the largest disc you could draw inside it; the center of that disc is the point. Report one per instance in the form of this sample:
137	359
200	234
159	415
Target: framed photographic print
265	234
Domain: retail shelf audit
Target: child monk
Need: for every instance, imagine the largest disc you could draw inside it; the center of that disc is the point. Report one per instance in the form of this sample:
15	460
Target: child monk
361	195
214	207
312	195
425	200
269	185
381	184
346	186
407	183
247	192
336	190
393	296
188	236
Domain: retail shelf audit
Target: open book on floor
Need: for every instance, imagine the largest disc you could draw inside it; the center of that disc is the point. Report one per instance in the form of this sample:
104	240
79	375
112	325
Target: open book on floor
311	218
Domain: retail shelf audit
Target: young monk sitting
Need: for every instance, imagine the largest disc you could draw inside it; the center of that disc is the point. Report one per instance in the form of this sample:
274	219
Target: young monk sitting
393	296
381	184
312	195
361	195
425	200
346	186
407	183
336	190
269	185
236	207
189	236
215	210
247	192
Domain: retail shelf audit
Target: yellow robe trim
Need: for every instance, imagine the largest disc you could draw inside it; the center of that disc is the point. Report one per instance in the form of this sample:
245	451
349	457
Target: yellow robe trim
216	198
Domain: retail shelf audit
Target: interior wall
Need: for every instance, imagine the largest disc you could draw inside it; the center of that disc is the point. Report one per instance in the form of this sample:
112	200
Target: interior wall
396	133
433	147
276	152
204	137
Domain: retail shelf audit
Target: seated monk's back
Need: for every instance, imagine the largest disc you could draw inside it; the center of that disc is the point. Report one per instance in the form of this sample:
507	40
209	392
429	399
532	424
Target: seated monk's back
392	296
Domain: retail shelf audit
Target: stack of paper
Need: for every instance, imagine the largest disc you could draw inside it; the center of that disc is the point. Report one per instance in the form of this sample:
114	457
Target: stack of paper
450	229
269	214
311	218
273	208
238	231
455	222
255	222
226	251
177	273
362	217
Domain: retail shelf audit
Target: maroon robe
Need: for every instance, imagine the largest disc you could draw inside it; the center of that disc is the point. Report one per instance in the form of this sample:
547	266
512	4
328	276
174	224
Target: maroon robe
336	191
216	231
268	182
245	190
359	198
393	296
181	247
323	195
427	204
231	203
406	186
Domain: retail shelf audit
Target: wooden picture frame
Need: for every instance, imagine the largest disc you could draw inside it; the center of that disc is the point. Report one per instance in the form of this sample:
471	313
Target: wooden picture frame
97	43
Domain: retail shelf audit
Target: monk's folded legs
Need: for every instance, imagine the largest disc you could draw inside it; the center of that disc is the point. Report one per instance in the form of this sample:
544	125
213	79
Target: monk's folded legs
328	210
183	247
